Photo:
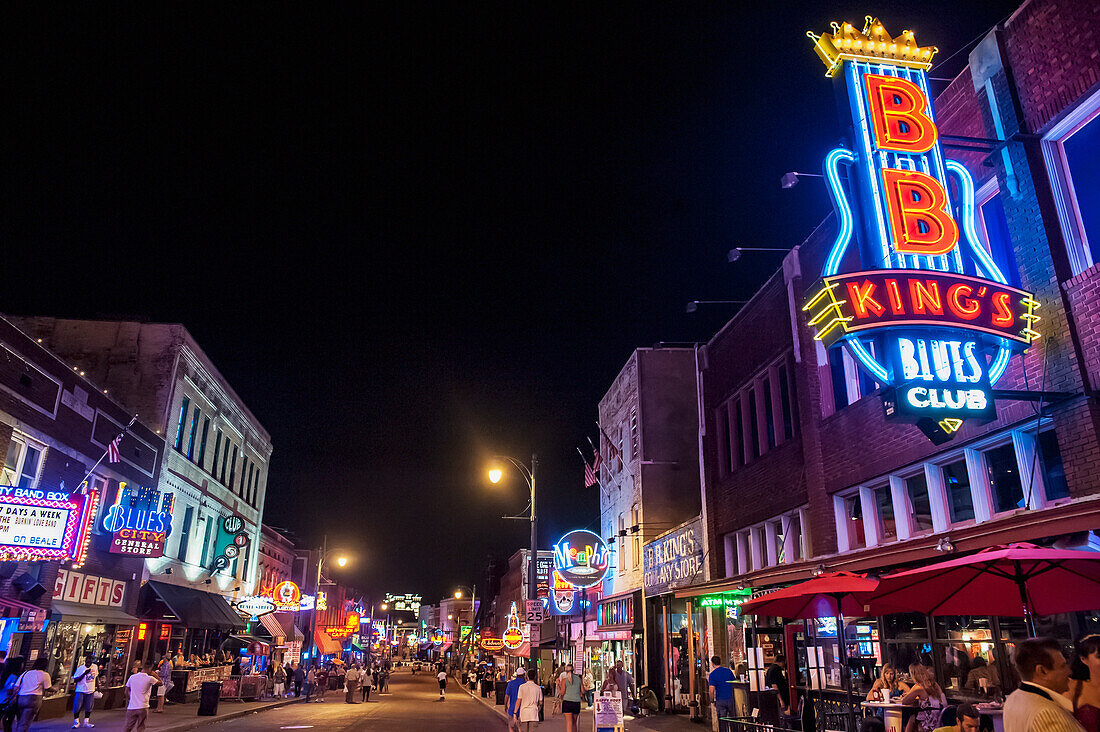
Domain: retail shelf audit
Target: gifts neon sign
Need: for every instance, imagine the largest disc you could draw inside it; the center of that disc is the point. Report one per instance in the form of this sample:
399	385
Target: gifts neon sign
919	302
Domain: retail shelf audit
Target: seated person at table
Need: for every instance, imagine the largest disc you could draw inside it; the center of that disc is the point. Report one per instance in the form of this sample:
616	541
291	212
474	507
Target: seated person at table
887	680
926	694
776	678
982	670
967	719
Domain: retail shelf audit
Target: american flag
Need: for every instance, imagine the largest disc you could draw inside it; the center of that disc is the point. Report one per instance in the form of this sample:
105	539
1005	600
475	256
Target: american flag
589	476
112	450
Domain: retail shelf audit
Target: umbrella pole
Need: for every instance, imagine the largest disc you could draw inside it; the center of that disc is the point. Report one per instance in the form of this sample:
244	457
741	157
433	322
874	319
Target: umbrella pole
843	646
1029	618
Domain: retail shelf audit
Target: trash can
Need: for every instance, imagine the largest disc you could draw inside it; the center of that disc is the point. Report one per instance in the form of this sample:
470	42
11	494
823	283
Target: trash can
209	694
500	688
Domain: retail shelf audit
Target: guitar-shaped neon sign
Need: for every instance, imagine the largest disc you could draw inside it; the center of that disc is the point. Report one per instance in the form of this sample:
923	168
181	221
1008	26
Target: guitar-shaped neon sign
921	305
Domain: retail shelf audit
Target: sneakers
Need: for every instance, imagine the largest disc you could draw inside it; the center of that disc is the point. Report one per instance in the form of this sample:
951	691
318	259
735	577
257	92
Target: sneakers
76	723
88	723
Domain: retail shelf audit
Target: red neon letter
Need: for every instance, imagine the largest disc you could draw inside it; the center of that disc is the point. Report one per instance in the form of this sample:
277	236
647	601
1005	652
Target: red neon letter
895	297
863	299
1002	313
897	115
961	304
926	297
918	223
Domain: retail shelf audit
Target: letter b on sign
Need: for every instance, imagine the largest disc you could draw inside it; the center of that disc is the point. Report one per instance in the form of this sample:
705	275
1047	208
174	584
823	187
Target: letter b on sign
897	115
918	223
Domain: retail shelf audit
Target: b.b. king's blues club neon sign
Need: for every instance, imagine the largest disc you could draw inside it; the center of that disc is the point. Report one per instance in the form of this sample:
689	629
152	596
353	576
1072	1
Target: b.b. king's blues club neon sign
907	286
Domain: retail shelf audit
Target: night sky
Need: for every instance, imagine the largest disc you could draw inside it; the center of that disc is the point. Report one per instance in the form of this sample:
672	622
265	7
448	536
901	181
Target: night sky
414	235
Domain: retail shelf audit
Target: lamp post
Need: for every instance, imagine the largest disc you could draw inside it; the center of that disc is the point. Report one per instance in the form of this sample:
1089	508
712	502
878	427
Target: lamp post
321	557
528	474
473	614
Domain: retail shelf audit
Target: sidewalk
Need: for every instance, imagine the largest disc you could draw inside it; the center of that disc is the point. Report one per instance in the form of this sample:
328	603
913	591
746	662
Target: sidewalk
669	722
176	717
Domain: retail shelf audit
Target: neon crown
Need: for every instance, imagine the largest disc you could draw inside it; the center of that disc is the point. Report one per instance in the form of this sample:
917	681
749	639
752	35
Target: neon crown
845	43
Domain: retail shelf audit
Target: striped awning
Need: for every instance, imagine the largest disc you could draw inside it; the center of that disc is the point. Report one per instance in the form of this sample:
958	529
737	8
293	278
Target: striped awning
326	644
273	626
287	620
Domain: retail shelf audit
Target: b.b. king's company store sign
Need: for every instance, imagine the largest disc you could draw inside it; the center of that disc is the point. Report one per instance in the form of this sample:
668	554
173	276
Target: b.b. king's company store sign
673	560
908	287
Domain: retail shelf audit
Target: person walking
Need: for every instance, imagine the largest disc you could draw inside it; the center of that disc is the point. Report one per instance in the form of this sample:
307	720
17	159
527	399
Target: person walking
299	676
385	680
570	687
1084	682
320	686
279	682
589	687
32	685
164	673
511	695
351	684
84	693
720	681
1040	704
528	703
137	691
365	683
441	677
12	675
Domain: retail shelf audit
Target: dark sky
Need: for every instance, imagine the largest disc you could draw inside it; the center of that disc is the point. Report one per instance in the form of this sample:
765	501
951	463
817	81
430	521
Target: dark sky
415	234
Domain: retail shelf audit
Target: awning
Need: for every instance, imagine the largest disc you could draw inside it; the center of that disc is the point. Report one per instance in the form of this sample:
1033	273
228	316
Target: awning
446	647
273	626
326	644
197	609
91	614
288	622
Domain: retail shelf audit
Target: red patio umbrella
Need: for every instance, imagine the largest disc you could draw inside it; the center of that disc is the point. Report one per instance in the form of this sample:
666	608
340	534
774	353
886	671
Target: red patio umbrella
831	595
1015	580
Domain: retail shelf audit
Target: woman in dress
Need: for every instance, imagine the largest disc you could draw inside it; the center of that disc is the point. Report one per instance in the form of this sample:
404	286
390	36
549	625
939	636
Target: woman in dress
887	681
1084	683
926	694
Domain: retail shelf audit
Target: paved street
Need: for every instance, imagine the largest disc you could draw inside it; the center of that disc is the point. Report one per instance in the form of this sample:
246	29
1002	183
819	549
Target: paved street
413	704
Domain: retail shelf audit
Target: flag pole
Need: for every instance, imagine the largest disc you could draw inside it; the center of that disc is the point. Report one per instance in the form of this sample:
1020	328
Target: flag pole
83	484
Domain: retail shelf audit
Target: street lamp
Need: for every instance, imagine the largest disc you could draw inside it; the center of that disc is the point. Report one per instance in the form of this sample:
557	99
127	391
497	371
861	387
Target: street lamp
341	561
528	473
473	613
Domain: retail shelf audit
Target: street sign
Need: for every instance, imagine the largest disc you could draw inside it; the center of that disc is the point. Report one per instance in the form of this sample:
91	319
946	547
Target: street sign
608	713
536	611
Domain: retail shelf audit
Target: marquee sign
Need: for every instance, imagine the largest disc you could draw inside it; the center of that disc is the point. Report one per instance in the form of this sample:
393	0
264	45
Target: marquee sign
139	521
255	606
286	596
489	643
512	638
40	525
673	560
581	558
918	301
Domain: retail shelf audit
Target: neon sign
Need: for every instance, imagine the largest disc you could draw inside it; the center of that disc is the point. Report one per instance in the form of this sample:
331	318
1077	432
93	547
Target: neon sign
918	302
513	636
287	596
581	558
45	525
139	521
255	606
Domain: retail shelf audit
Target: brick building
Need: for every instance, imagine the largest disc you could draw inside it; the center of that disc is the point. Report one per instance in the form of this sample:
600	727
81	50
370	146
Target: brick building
55	424
804	473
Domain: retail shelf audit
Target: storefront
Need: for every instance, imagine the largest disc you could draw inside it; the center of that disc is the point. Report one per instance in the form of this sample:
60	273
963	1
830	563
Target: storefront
619	632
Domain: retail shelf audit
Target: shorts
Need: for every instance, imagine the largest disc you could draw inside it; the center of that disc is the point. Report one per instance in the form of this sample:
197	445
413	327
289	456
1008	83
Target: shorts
570	707
442	685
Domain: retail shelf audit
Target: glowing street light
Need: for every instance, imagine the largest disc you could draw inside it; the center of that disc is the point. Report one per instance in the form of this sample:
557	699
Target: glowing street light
342	561
495	475
528	473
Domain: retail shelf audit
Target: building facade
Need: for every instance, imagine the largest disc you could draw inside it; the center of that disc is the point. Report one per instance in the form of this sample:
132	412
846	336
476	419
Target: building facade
805	472
275	560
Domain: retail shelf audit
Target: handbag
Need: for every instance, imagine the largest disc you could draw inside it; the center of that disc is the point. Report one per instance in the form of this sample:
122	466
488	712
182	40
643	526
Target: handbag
10	705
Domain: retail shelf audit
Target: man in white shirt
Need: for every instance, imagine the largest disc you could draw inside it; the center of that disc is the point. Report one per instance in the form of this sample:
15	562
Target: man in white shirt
351	684
137	692
32	685
1040	704
84	693
442	678
528	701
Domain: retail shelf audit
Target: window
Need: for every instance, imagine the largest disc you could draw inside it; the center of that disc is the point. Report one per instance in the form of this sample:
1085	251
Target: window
993	231
1004	478
853	512
211	523
769	416
884	504
1054	474
217	452
633	433
1070	151
754	425
620	542
202	443
916	489
244	473
839	378
723	439
182	422
23	462
785	402
225	462
960	503
636	536
622	456
251	485
191	436
789	539
737	439
186	533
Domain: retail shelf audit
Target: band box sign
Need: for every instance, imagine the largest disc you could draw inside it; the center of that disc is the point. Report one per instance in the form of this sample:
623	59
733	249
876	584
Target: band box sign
88	589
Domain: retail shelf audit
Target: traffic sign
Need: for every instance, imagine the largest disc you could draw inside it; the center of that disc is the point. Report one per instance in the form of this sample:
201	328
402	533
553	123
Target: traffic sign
536	611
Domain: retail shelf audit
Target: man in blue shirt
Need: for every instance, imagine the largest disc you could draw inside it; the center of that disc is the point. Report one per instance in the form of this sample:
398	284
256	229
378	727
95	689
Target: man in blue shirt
511	692
721	690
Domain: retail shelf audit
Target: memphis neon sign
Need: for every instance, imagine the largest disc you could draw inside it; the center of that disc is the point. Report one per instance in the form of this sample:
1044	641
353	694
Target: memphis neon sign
581	558
919	302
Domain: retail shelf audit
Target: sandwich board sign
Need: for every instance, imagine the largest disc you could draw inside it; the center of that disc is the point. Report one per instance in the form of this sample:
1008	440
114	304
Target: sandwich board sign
607	715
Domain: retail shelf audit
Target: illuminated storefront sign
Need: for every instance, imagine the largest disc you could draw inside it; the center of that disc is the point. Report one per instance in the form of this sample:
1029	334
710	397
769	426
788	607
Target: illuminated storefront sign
348	629
139	521
255	606
731	599
287	596
40	525
513	636
88	589
403	603
489	643
581	558
918	301
616	613
673	560
437	637
232	538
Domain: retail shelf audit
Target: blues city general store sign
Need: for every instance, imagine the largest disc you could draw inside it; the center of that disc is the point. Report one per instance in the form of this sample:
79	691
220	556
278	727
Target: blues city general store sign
908	287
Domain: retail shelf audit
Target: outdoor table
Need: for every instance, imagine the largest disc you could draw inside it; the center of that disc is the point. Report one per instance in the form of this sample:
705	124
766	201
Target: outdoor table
892	714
